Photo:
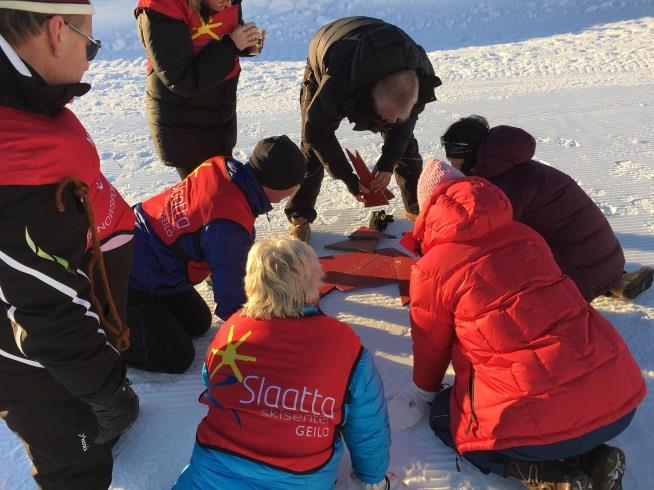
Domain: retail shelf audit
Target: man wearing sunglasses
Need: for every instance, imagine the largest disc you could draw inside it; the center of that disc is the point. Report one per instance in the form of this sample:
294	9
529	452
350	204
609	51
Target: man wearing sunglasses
63	389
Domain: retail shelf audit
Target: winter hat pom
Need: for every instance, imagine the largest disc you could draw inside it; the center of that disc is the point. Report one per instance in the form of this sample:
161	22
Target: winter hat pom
278	163
434	172
60	7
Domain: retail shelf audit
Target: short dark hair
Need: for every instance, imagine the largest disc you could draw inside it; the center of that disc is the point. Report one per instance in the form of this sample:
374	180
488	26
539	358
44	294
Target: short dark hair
17	26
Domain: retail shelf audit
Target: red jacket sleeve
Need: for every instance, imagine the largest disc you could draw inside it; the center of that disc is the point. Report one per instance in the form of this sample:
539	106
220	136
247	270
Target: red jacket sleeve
432	330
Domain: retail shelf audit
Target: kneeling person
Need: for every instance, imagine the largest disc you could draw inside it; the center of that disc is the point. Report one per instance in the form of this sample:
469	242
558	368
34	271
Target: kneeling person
203	225
284	383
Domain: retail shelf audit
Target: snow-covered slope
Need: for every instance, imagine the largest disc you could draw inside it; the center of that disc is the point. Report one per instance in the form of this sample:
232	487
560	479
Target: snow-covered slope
578	75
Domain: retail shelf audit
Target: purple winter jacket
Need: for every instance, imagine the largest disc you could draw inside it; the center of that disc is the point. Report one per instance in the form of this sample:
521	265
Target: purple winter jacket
551	202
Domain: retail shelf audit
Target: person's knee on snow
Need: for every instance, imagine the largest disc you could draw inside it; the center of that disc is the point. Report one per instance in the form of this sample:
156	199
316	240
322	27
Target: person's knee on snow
159	343
191	311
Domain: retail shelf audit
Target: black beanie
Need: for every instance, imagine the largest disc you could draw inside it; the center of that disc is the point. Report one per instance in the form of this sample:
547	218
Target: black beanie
278	163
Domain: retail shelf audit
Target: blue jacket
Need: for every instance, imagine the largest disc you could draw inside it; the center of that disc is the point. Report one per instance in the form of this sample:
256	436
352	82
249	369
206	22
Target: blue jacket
365	431
161	269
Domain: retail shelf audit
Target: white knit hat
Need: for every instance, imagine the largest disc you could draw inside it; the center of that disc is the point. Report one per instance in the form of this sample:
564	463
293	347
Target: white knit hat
57	7
433	173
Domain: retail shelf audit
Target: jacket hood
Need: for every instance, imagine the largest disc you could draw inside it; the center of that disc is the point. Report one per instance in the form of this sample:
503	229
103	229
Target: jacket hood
503	148
459	211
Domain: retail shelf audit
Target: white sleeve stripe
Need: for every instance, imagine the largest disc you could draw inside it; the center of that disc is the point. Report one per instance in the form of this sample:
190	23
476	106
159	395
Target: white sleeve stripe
115	242
62	288
20	359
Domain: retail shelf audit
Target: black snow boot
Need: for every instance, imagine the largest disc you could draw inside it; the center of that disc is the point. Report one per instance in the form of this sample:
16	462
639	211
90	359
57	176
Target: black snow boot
634	283
605	464
549	475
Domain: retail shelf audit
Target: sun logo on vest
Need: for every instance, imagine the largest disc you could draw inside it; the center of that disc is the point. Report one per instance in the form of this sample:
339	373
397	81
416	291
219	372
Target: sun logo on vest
229	355
206	29
197	169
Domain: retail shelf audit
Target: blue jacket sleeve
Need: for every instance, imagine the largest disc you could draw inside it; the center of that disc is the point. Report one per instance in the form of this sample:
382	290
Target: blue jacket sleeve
226	246
366	430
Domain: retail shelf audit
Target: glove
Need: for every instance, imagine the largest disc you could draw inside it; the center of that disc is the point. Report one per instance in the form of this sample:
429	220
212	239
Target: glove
116	414
409	406
390	482
352	184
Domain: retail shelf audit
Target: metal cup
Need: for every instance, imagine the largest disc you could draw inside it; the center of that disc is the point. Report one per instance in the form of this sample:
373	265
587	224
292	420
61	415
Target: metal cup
257	47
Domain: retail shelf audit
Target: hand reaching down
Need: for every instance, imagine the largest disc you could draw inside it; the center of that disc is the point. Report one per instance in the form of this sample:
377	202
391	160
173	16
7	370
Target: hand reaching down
409	407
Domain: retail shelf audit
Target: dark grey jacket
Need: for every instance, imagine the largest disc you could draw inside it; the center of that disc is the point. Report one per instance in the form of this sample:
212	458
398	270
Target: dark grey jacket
346	58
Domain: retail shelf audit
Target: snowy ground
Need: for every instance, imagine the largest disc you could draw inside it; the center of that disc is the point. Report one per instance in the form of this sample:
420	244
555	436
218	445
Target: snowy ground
577	74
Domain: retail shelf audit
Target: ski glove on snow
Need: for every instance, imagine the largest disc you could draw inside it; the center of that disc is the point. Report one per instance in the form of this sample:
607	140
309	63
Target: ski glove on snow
409	406
116	414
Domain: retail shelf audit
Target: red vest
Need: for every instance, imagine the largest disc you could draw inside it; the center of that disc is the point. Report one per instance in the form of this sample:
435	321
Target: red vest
42	150
207	194
277	389
201	32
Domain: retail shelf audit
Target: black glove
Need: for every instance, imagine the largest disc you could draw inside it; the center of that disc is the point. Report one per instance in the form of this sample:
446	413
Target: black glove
352	184
116	414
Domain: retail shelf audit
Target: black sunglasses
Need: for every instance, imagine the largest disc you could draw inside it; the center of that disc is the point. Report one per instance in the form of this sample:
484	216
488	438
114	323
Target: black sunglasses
94	44
456	148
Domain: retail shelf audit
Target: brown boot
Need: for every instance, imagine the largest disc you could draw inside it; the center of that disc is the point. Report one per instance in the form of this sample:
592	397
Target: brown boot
605	464
410	216
549	475
300	229
634	283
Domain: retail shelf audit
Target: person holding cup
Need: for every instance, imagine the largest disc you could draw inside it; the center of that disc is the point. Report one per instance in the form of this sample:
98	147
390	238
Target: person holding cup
193	49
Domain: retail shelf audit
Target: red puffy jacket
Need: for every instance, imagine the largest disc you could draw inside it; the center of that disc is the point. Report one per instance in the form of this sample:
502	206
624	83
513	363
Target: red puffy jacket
534	363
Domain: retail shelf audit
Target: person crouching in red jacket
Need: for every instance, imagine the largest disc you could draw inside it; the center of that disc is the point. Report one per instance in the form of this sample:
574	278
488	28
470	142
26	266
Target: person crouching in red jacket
542	380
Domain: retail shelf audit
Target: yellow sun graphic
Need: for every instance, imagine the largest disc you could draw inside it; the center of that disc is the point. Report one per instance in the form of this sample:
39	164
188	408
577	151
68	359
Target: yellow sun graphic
229	356
197	169
207	29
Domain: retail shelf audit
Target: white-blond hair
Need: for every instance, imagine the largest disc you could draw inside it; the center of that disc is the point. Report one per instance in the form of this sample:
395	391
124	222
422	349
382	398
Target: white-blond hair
281	276
196	4
399	89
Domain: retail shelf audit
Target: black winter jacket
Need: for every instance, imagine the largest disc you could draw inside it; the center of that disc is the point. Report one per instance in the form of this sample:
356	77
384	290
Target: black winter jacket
191	107
346	58
48	329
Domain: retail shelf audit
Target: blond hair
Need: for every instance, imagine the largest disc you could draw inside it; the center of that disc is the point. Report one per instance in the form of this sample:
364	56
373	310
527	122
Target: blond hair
282	275
196	4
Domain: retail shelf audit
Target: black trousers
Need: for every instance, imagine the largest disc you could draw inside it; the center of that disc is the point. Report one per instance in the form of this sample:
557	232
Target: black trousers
57	431
303	202
162	328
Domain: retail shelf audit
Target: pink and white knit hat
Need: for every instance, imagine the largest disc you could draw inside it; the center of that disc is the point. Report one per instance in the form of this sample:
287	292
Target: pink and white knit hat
58	7
433	173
